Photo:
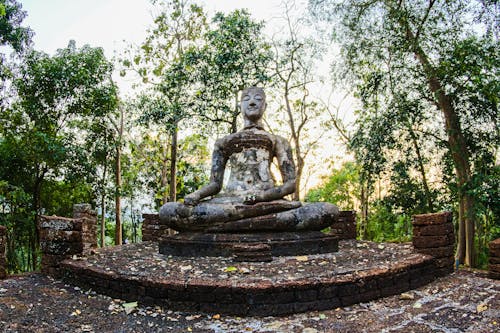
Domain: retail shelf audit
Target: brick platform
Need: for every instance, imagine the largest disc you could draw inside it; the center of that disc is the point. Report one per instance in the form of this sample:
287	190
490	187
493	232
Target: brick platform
62	237
3	246
359	272
433	234
494	261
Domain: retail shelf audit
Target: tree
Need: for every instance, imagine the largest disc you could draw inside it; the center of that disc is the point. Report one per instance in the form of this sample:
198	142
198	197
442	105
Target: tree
417	39
160	62
234	57
12	35
41	133
293	72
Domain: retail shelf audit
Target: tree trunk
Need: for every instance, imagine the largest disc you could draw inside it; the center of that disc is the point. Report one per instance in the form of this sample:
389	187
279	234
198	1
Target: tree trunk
103	220
103	205
421	168
163	176
173	165
118	184
118	209
459	154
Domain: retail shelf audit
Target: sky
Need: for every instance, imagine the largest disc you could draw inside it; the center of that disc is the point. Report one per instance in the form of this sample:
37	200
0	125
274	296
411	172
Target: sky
115	24
108	23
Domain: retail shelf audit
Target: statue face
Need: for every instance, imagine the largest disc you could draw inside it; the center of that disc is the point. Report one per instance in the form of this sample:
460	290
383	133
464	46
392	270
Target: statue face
253	104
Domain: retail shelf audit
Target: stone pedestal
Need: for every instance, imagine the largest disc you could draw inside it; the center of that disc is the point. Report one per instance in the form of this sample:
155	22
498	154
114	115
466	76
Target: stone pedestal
433	234
152	230
3	246
494	261
62	237
253	246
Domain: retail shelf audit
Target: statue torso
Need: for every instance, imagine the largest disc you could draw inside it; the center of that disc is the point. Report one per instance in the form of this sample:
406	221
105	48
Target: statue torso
249	153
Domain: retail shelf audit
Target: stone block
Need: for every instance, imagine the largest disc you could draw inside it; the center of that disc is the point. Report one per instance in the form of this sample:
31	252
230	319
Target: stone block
56	223
433	241
432	219
494	268
433	229
47	234
60	248
439	252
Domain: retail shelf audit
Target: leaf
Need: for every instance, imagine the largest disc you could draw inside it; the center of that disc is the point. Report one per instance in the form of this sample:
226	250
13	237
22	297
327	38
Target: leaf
406	296
322	316
129	307
417	305
302	258
481	307
230	269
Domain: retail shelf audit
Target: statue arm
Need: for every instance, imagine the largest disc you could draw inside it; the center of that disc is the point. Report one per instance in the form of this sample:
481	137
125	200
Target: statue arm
216	177
283	153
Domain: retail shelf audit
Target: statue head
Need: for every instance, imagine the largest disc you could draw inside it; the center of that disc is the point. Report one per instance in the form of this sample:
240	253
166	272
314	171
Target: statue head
253	105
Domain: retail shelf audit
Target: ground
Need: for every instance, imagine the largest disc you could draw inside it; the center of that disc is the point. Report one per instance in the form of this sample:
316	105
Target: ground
461	302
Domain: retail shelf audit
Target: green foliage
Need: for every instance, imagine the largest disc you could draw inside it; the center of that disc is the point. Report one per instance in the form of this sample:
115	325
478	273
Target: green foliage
43	134
386	226
340	188
235	56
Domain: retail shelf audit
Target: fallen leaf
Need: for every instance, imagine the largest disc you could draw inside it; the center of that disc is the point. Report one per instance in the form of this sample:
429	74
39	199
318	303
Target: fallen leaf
406	296
230	269
481	307
216	316
129	307
322	316
302	258
417	305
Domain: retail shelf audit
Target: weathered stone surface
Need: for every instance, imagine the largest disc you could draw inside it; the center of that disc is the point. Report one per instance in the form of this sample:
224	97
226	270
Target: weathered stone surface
433	229
62	237
438	252
433	234
250	201
58	223
285	243
345	225
433	218
433	241
152	230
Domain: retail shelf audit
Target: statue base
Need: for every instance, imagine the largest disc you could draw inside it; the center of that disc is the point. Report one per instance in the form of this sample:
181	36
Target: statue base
248	246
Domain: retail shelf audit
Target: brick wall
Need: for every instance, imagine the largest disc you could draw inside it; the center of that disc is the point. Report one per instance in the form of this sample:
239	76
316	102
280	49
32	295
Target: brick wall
494	261
3	261
152	230
433	234
62	237
345	226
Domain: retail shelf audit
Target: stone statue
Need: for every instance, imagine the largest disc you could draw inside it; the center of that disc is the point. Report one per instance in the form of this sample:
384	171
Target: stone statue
250	201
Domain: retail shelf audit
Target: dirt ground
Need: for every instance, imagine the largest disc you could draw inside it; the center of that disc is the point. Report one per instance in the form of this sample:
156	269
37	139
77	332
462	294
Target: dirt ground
461	302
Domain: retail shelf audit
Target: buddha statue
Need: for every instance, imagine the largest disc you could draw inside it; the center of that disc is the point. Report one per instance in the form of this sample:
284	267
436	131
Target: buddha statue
250	201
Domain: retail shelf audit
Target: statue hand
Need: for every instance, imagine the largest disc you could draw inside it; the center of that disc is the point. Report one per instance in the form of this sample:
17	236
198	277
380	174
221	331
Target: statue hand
191	199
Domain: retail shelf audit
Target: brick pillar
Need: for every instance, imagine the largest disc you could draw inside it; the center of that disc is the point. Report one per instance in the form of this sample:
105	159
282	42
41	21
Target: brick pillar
88	216
345	226
62	237
494	261
152	230
433	234
3	261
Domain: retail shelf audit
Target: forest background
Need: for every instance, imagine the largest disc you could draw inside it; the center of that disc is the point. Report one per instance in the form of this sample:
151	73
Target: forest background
391	108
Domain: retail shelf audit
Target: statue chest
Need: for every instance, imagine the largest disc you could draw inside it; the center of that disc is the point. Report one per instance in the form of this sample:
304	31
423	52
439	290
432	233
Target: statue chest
250	170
